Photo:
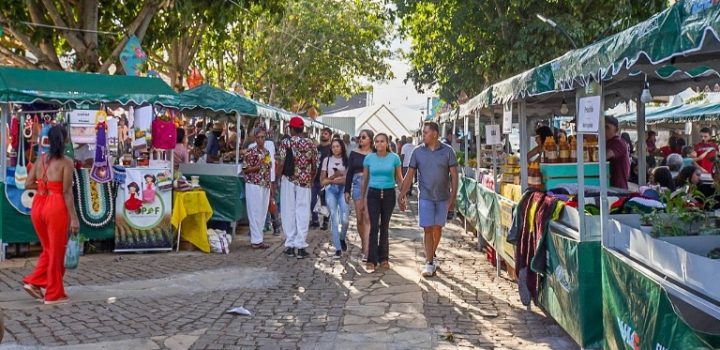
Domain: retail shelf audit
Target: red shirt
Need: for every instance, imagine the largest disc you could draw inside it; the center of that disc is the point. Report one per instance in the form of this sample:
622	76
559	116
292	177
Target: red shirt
619	163
706	163
254	157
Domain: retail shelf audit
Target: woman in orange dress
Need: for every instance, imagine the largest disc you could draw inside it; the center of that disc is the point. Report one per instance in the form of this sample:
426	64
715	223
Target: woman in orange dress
52	216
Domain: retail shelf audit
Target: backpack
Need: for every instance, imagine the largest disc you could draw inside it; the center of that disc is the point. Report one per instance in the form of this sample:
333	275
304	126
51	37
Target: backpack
289	165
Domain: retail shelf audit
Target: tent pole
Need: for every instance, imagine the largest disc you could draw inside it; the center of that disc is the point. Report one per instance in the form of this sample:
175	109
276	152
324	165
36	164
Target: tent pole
524	145
642	146
465	164
602	159
4	119
581	166
497	198
238	119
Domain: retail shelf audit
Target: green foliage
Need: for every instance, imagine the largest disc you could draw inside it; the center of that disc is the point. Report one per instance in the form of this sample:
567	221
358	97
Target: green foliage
682	216
463	46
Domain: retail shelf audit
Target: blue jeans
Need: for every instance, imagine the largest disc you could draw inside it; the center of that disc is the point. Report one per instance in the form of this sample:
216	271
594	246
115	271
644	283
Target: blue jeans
339	211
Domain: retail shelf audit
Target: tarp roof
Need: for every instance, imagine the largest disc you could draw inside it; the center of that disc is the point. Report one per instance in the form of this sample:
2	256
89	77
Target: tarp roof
393	120
206	97
19	85
675	114
665	47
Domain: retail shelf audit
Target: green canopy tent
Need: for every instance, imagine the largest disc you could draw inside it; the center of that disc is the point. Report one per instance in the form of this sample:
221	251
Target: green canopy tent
209	98
26	86
673	50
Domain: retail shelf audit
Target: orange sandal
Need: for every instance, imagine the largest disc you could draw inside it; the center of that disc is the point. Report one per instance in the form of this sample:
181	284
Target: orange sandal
34	291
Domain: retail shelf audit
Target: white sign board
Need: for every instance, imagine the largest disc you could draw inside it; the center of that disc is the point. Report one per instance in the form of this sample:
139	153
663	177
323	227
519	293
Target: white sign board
589	114
507	119
84	117
492	135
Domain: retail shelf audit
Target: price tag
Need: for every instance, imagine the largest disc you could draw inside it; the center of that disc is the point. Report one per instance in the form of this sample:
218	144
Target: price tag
492	135
507	119
589	114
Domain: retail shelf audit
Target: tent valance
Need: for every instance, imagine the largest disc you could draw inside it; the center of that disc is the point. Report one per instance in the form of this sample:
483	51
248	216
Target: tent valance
207	97
19	85
675	114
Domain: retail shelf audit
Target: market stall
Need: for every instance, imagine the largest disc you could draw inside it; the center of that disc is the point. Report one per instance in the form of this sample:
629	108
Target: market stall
221	181
33	100
578	246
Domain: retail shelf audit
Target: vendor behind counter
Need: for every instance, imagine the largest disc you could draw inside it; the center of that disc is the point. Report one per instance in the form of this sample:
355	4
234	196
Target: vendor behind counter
618	154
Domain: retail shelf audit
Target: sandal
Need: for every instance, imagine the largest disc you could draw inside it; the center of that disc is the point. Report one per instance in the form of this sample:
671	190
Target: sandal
385	265
260	246
34	291
57	302
370	267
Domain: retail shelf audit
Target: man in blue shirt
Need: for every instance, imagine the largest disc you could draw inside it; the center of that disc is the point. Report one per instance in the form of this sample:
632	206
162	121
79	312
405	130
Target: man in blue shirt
436	166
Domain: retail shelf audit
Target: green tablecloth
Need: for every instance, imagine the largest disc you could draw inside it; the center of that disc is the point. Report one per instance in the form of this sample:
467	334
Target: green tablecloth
480	206
226	195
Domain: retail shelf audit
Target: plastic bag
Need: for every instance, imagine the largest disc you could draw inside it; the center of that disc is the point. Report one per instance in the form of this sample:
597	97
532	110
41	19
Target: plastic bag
72	252
321	209
219	242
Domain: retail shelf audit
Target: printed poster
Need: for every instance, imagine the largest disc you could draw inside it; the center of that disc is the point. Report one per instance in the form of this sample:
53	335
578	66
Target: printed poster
143	211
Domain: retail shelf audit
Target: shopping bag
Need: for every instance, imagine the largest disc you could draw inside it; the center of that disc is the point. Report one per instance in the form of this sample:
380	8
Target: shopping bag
321	209
72	252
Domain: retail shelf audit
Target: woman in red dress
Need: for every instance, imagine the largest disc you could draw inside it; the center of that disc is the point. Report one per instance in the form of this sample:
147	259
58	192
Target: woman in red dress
52	215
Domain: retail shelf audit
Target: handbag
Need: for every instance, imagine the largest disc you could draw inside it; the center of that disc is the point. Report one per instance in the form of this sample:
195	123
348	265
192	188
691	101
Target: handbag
72	252
21	171
289	164
164	134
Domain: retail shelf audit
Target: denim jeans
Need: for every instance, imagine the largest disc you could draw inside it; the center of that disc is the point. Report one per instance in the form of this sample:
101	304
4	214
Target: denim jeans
380	205
339	213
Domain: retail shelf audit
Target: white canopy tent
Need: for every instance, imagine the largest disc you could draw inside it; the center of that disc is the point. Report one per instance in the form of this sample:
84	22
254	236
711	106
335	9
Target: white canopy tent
392	120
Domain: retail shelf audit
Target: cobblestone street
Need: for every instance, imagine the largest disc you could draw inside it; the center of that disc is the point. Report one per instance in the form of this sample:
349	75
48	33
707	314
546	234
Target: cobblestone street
178	300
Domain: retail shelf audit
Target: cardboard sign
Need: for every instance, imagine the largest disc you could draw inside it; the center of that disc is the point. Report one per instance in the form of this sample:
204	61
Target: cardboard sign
589	110
492	135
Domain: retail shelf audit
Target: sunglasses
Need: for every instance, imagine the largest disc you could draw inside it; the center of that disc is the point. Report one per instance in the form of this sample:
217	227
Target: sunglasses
364	137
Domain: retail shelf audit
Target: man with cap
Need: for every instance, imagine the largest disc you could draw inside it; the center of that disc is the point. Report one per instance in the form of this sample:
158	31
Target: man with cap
618	154
296	187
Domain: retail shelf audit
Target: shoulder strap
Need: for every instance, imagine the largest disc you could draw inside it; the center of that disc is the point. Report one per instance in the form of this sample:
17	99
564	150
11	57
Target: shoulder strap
45	164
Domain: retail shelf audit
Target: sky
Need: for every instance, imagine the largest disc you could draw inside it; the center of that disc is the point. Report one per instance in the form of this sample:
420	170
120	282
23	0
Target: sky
396	92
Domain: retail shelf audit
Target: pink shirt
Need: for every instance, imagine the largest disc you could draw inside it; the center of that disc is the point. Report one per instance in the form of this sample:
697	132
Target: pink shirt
181	155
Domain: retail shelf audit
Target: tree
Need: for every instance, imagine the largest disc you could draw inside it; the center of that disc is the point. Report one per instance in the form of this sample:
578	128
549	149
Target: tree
306	54
36	34
463	46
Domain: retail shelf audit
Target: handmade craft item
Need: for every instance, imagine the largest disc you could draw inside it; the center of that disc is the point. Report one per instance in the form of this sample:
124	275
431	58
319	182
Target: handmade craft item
21	170
95	200
101	171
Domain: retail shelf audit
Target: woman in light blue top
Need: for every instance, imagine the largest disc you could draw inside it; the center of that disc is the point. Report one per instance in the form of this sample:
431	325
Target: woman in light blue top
381	173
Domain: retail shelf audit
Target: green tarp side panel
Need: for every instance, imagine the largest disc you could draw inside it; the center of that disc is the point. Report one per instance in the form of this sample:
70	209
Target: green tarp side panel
217	100
226	195
570	292
20	85
17	228
479	206
638	313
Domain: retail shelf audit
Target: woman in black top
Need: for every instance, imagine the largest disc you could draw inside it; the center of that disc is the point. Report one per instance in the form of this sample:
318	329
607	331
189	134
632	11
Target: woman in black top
353	179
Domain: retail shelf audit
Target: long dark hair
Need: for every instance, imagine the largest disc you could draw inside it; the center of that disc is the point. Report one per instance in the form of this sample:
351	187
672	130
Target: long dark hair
57	135
371	135
343	153
685	176
663	177
387	140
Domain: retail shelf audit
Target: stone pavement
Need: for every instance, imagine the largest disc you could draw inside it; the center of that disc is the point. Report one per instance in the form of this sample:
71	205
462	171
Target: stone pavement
178	301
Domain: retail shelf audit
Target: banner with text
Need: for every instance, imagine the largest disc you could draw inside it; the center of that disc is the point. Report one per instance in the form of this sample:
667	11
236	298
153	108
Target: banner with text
143	211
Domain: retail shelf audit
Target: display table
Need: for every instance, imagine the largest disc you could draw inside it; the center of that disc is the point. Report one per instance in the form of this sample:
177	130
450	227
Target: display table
191	212
224	188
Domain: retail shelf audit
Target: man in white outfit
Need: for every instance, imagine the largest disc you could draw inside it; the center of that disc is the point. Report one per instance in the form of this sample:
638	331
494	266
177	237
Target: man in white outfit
257	187
296	186
270	146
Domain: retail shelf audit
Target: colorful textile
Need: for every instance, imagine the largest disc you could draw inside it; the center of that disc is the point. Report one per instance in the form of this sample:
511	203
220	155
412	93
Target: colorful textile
305	154
255	157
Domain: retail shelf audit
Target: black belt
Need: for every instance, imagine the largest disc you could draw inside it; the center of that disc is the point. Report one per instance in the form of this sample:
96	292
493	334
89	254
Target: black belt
382	191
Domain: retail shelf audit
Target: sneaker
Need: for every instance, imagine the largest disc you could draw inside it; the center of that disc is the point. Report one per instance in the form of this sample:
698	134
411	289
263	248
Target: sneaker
343	245
276	231
302	254
338	254
289	252
57	302
314	225
267	228
364	258
428	270
324	226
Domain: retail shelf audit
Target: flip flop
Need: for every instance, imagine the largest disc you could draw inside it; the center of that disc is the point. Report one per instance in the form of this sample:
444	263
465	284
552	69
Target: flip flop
57	302
260	246
34	292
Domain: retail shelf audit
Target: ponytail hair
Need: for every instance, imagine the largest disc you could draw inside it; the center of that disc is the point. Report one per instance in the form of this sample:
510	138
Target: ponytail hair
57	135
